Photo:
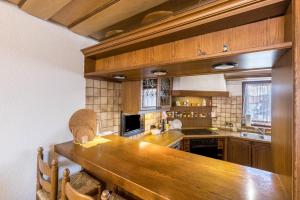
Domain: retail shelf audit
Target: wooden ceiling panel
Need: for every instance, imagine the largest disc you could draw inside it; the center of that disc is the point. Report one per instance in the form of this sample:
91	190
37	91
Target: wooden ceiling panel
113	14
43	9
79	9
16	2
134	22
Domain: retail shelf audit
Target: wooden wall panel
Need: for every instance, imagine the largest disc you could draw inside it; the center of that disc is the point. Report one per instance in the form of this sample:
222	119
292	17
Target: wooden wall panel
282	120
296	63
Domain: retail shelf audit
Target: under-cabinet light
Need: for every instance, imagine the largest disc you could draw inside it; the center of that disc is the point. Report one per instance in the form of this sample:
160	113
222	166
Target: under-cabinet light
224	66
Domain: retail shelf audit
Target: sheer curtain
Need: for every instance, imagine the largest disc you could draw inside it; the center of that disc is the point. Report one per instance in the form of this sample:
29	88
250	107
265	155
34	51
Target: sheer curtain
257	102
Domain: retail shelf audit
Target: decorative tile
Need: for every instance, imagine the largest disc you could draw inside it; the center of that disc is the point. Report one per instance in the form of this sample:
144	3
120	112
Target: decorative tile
103	92
97	100
89	83
96	92
96	84
103	84
104	100
89	100
89	92
110	85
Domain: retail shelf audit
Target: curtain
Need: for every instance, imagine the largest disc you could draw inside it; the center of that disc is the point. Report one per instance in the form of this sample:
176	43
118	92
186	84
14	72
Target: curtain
257	102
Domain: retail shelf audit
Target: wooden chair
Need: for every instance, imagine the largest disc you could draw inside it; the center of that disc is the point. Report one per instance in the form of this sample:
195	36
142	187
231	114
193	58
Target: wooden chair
68	192
48	188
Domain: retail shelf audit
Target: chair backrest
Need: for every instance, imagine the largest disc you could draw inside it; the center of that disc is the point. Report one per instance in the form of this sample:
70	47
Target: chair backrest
43	169
68	192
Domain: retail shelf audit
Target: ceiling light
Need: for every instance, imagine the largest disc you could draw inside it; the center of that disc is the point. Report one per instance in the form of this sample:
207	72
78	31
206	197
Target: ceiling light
119	77
224	66
159	72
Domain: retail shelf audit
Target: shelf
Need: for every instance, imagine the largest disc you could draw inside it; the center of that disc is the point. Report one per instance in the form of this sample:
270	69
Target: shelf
192	93
193	107
194	118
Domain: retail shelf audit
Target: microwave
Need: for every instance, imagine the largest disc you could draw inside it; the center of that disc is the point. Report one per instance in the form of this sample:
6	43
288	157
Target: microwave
132	124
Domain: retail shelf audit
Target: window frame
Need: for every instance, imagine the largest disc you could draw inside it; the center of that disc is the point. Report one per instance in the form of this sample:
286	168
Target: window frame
243	92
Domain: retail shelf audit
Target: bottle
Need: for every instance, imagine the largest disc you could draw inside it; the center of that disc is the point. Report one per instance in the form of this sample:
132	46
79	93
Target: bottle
204	102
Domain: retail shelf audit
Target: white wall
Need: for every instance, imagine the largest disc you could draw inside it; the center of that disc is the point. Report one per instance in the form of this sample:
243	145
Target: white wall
234	87
41	85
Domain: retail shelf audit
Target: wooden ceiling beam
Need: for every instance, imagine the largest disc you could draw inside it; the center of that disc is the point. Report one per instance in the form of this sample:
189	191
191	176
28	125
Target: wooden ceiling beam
16	2
79	10
43	9
107	17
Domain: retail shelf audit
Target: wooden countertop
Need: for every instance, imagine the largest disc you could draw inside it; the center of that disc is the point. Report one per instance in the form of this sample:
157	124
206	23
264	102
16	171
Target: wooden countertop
221	133
168	138
171	137
151	171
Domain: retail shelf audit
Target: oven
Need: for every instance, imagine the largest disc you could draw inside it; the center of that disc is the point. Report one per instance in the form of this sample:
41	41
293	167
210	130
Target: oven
206	147
132	124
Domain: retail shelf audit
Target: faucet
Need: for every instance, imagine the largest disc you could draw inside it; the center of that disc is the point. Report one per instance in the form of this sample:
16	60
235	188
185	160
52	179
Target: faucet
260	130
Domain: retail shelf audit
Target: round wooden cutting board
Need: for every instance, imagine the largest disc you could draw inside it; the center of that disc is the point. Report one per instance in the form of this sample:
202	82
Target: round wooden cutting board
83	125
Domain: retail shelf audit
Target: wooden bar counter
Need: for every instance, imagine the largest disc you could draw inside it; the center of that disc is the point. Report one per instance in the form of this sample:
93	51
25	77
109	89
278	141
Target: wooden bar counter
151	171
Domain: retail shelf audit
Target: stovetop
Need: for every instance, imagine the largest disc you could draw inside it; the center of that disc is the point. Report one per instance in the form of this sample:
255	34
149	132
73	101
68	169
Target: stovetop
197	132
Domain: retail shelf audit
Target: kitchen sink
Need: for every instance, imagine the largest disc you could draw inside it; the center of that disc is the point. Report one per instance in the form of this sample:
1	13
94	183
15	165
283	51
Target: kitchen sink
254	136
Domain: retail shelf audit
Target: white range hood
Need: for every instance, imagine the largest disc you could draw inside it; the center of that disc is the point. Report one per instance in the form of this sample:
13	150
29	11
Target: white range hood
213	82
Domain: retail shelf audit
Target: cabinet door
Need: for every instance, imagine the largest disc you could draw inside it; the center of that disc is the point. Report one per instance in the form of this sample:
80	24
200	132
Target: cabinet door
186	48
239	151
165	87
163	53
149	94
261	156
131	96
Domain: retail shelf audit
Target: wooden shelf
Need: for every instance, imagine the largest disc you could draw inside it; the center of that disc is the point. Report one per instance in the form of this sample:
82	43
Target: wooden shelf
191	93
191	118
193	107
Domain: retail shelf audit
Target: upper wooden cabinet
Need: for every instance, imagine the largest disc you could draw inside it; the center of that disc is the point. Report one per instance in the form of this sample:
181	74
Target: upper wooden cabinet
146	95
246	37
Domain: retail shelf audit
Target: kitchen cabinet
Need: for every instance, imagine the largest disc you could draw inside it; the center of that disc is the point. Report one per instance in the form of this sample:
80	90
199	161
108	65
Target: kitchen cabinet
146	95
249	153
253	35
239	151
261	156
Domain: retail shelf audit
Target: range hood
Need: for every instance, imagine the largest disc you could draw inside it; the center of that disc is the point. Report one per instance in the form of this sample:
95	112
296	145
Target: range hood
213	82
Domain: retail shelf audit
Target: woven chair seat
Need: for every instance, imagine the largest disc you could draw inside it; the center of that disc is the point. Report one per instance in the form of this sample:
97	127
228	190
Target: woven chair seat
81	181
84	183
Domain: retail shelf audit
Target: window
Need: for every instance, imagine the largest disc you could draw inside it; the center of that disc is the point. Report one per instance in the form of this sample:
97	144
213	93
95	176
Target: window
257	102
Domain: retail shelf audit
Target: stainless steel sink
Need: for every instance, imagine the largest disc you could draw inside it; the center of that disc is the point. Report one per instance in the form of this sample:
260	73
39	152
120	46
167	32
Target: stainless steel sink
254	136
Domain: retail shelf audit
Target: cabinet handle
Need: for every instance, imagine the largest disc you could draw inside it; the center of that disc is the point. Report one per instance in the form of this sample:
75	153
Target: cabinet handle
201	53
225	48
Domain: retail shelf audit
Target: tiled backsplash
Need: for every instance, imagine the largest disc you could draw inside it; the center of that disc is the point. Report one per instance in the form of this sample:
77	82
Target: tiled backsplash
105	99
151	119
227	109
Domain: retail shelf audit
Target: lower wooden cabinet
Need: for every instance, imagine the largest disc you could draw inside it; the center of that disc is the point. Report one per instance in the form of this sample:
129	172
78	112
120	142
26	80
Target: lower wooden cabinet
261	156
239	151
253	154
